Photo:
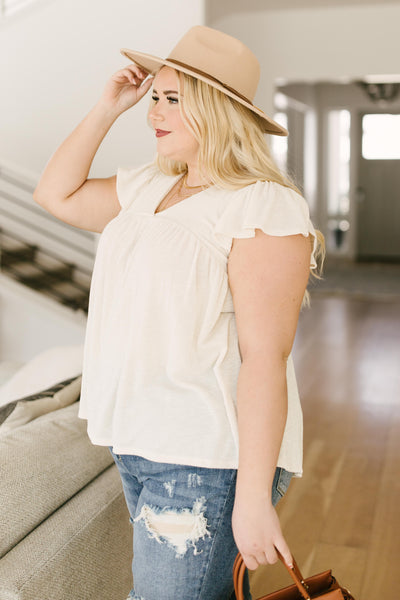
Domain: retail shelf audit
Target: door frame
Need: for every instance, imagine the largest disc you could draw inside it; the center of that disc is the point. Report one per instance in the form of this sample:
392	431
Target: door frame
356	142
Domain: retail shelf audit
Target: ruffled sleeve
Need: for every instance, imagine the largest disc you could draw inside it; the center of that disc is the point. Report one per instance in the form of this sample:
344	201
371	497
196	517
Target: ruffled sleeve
269	206
129	181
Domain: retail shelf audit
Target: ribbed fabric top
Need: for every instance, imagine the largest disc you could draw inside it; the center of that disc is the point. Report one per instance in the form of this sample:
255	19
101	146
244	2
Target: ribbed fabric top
161	356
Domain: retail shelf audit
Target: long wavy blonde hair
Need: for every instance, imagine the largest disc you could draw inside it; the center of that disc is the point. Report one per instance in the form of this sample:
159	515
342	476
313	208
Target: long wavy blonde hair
233	149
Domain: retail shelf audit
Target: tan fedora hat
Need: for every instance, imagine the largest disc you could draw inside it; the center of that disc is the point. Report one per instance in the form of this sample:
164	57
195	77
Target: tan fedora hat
220	60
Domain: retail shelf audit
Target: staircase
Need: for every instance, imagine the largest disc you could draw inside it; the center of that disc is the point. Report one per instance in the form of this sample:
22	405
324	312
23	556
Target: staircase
37	269
40	251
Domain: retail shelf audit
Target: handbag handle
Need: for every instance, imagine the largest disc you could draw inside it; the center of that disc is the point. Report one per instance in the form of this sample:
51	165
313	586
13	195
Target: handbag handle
239	569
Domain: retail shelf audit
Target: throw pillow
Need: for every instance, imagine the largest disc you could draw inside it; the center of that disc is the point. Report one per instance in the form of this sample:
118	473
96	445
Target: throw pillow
8	368
22	411
43	371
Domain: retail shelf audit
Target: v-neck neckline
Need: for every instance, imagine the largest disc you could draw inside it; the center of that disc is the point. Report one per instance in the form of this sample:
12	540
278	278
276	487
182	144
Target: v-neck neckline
167	191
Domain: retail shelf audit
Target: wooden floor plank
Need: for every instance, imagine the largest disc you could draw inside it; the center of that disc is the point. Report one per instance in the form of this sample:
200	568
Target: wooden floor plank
344	512
352	512
347	565
382	576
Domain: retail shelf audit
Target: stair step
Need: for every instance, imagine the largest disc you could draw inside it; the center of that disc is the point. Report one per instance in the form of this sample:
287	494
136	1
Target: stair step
48	278
31	266
25	253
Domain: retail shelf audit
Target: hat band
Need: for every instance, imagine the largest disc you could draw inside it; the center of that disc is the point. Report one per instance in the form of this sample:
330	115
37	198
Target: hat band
203	74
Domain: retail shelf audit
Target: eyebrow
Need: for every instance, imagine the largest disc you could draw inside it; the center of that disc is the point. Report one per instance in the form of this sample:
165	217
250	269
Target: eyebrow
166	92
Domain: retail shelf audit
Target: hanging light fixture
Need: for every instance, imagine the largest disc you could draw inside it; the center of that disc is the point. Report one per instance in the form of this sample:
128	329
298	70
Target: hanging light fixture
381	93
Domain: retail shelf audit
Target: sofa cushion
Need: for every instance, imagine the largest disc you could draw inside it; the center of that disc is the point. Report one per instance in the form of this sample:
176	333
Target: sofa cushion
83	551
22	411
42	465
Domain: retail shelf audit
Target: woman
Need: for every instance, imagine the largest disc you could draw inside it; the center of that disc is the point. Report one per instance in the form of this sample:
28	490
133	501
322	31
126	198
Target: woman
200	274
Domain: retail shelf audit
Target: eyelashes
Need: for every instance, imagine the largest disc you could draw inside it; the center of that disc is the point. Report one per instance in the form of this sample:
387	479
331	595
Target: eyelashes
170	99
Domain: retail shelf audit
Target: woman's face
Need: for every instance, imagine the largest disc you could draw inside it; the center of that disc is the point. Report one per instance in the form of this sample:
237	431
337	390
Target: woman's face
174	140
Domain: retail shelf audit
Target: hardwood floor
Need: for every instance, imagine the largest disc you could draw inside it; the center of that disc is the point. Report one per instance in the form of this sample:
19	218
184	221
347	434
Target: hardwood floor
344	512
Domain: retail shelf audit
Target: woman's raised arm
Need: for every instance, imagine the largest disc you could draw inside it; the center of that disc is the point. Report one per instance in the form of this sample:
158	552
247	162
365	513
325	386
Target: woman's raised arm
64	189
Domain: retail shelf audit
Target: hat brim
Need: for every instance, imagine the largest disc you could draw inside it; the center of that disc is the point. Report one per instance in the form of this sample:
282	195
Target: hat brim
151	64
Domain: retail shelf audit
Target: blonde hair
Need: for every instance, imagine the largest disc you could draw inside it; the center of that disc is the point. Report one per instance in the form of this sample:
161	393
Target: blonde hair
233	149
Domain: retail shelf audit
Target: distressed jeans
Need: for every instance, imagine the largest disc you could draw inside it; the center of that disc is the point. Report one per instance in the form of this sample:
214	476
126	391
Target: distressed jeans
183	543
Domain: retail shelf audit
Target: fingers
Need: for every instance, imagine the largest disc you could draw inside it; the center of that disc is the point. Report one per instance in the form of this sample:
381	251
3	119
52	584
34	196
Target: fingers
283	549
133	74
253	561
127	86
144	88
250	561
137	77
269	557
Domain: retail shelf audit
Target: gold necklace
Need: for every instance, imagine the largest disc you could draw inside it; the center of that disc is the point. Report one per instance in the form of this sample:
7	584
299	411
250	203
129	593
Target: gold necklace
180	192
193	187
175	193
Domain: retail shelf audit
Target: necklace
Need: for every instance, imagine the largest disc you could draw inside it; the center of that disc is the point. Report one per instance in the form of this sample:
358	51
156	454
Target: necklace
180	191
193	187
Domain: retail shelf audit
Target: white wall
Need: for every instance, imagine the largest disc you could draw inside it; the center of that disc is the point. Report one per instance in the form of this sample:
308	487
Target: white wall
55	59
313	44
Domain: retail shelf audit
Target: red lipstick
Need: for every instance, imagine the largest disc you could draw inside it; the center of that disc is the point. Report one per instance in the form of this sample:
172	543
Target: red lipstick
161	132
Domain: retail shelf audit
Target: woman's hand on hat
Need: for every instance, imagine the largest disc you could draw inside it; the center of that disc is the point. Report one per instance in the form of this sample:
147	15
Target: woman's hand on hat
125	88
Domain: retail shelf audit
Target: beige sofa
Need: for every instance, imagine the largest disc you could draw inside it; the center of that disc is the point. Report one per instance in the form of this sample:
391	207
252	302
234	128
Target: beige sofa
64	526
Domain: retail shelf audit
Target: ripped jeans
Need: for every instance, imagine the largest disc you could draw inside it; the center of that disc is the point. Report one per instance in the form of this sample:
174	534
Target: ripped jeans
183	543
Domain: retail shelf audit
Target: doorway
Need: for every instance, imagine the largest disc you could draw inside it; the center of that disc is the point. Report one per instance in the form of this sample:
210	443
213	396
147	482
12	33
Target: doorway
378	191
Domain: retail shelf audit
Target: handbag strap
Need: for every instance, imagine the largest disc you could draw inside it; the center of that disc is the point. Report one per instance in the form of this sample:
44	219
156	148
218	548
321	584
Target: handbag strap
239	569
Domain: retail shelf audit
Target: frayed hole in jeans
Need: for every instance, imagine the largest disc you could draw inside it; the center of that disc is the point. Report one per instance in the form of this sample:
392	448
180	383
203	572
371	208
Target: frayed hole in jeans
180	529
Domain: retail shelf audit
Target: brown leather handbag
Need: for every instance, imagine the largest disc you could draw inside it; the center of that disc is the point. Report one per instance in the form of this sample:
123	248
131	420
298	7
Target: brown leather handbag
323	585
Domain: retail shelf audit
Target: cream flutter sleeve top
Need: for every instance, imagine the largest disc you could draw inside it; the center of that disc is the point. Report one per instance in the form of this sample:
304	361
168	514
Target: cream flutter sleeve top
161	355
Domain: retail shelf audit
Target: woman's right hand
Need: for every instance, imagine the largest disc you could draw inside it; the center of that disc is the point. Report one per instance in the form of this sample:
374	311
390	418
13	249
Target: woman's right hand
125	88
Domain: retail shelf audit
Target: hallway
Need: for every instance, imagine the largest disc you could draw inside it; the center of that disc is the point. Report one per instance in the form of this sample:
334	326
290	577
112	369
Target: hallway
344	513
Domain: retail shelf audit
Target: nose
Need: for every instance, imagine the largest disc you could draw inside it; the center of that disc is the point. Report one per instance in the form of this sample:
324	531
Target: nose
155	113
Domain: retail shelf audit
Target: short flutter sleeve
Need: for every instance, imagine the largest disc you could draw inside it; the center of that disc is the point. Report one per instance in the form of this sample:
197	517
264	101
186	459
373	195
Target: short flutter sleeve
269	206
130	180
